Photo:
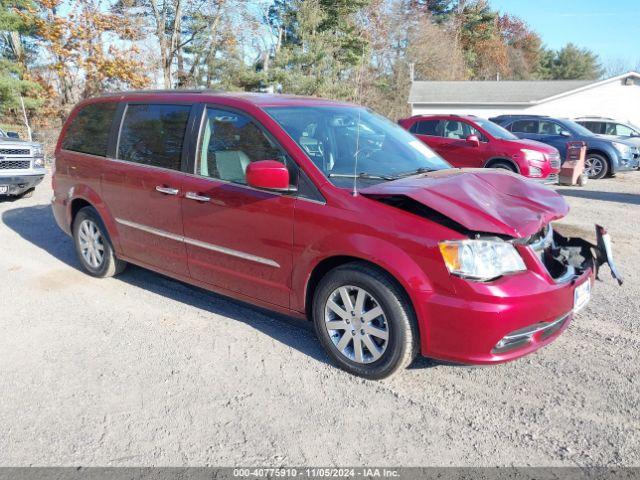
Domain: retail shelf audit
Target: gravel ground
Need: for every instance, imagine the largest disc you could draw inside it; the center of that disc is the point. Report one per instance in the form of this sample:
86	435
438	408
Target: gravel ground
144	370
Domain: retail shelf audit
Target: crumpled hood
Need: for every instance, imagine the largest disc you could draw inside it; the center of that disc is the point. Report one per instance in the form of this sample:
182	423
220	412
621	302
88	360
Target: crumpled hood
480	200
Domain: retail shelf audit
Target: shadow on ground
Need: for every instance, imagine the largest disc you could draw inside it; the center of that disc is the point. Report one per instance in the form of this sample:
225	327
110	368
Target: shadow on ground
37	225
627	198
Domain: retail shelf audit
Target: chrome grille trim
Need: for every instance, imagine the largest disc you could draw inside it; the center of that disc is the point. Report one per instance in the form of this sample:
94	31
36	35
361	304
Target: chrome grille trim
524	336
15	164
15	151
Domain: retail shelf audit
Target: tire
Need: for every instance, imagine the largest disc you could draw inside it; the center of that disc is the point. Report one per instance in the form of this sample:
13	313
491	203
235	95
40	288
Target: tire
90	236
503	166
596	166
377	357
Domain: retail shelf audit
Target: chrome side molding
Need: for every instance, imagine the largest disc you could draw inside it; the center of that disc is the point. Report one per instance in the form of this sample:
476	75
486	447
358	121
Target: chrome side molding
197	243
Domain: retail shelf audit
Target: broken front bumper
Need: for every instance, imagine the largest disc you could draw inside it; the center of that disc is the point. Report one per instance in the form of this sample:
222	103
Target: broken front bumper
516	314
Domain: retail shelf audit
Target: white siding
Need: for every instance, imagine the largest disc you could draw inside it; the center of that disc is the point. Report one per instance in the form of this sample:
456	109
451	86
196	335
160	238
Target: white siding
613	99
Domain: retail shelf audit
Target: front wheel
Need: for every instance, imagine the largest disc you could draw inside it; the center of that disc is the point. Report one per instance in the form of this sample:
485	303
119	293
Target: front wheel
364	321
595	166
93	246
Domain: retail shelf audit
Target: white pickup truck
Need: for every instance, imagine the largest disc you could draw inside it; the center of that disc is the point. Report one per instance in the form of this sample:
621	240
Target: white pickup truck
21	165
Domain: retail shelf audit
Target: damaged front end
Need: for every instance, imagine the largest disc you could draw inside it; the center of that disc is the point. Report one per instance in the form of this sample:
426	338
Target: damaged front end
566	257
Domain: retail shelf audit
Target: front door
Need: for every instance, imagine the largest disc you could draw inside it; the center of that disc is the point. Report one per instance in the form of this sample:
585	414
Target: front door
142	186
237	238
456	150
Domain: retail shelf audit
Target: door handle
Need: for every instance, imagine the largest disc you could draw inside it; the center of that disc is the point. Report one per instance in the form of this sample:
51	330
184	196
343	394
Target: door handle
167	190
196	197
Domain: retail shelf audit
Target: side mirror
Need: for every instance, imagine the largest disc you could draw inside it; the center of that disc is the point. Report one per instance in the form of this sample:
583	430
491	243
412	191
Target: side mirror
473	140
268	174
565	133
13	134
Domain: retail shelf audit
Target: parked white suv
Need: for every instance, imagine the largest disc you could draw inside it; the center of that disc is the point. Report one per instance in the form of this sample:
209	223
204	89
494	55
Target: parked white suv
21	165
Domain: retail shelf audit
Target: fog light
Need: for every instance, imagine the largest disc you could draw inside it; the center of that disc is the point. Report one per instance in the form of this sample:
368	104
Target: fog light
38	162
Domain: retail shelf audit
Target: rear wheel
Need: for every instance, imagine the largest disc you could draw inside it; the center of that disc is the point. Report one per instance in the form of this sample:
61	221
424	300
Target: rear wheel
93	247
595	166
364	321
503	166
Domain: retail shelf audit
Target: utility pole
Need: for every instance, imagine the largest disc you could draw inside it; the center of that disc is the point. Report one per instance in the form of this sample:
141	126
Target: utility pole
26	120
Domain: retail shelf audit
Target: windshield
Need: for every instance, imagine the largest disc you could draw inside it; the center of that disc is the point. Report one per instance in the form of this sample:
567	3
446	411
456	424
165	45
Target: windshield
495	130
348	142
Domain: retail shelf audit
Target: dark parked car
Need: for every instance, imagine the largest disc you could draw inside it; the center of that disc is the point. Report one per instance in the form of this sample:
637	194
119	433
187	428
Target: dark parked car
472	142
327	211
605	156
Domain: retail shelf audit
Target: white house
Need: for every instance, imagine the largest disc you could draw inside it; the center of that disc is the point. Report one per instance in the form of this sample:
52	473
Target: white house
617	97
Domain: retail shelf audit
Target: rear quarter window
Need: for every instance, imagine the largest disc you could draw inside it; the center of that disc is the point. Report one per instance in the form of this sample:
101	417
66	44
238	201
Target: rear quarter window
525	126
89	130
426	127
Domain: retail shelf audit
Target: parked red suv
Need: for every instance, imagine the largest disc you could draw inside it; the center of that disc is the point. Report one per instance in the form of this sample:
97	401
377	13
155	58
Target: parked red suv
469	141
326	211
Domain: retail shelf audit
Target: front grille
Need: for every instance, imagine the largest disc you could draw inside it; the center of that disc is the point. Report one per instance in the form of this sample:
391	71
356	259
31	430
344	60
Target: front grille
551	179
14	151
554	160
14	164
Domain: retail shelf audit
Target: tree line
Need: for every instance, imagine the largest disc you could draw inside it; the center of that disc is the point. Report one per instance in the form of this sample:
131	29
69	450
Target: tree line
56	52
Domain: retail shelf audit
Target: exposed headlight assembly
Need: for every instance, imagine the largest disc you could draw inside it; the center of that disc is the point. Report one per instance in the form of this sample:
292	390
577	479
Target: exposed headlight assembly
481	259
38	162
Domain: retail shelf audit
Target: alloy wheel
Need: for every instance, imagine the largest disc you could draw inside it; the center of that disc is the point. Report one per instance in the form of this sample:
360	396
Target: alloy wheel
593	167
91	243
356	324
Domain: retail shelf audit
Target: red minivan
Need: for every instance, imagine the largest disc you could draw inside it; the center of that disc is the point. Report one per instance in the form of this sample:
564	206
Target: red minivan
326	211
473	142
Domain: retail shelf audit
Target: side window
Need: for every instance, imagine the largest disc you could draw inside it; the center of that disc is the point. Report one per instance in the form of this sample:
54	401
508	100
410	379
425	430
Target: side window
460	130
230	141
623	130
549	128
592	126
525	126
426	127
153	134
89	131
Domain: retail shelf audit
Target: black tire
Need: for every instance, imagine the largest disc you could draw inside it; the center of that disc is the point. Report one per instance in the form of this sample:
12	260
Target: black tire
503	166
596	166
109	264
403	338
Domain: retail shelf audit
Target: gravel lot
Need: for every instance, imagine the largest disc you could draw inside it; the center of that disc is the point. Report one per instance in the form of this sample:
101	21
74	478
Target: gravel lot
144	370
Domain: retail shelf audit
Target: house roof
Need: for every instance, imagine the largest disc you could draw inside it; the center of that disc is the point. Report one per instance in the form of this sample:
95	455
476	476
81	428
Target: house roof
499	92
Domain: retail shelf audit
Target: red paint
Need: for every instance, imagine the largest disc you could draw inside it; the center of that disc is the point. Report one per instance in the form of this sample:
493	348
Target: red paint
458	320
470	152
268	174
482	201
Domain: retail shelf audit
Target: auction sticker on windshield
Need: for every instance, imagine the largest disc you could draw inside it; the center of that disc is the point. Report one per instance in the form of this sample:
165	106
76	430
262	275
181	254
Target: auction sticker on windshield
581	296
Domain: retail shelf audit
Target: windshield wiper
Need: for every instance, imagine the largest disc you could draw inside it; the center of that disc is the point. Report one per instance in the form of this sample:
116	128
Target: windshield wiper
417	171
365	175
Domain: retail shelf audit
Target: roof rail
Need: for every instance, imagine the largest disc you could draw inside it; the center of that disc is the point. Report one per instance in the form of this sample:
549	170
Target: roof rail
595	116
161	90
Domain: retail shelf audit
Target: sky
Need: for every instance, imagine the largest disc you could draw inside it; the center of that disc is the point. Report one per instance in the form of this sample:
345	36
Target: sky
610	28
